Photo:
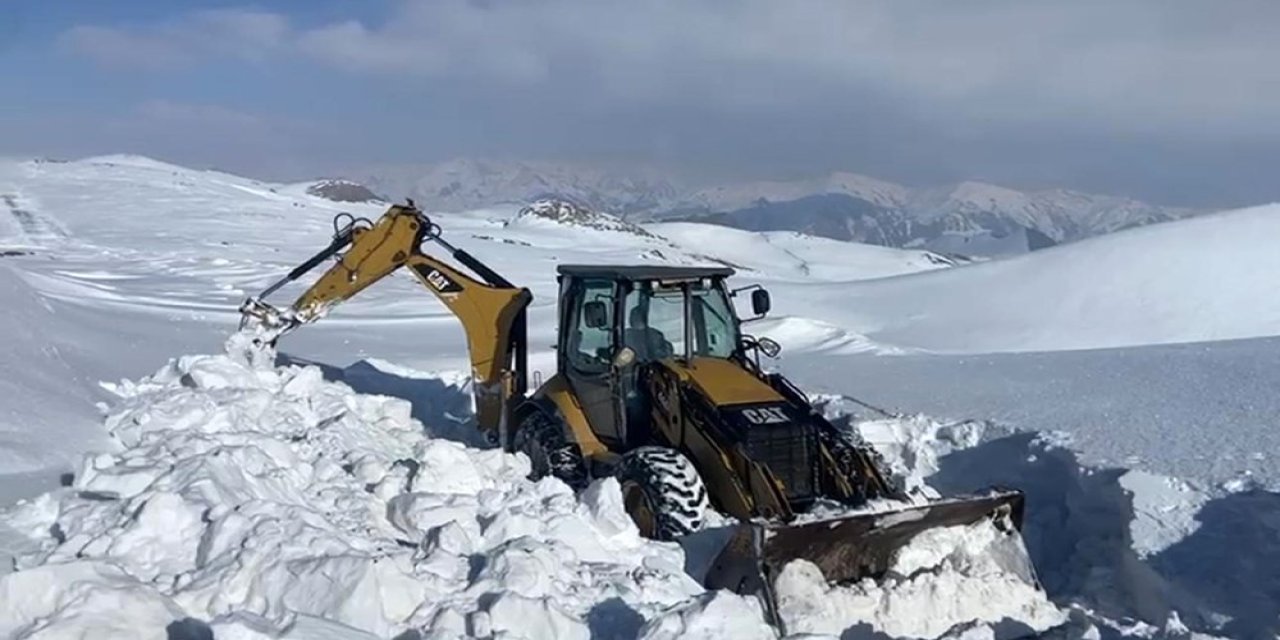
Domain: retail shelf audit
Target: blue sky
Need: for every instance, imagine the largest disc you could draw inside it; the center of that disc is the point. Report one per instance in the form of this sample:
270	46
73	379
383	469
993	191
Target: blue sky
1174	101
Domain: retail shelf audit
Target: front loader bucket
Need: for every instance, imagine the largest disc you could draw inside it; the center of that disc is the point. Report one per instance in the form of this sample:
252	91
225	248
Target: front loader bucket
850	548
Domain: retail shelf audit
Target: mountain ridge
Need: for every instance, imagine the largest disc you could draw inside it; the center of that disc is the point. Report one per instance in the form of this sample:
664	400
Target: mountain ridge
970	217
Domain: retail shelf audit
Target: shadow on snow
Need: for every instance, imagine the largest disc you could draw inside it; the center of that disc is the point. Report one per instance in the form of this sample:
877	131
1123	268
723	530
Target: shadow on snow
445	409
1077	530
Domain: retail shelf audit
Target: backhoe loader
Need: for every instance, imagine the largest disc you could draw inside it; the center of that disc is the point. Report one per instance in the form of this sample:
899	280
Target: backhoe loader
657	386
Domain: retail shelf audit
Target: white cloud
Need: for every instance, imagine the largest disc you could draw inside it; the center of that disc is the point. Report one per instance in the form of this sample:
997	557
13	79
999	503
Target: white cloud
1139	65
201	115
245	34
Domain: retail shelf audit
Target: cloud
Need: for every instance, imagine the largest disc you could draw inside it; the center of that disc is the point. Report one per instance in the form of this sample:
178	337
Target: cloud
1086	92
1134	65
236	33
189	133
201	115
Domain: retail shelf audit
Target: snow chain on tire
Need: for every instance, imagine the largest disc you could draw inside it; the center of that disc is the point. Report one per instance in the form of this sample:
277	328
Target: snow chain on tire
544	440
672	491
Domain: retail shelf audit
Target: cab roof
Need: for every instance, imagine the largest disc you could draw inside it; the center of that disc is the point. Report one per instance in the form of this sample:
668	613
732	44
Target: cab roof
640	272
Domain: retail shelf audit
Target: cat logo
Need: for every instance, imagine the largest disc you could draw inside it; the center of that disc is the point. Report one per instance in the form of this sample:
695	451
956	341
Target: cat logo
765	415
438	280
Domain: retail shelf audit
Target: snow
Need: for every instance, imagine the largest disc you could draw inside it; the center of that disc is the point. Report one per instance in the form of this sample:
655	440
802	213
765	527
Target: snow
713	616
276	493
1198	280
786	254
316	500
247	490
741	196
47	402
950	577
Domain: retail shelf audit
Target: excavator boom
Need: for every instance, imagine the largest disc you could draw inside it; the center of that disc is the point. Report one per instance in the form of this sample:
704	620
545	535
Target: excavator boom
491	309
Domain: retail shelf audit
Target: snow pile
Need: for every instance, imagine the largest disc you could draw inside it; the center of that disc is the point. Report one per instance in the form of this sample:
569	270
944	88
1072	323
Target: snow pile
261	502
955	577
259	494
911	446
712	616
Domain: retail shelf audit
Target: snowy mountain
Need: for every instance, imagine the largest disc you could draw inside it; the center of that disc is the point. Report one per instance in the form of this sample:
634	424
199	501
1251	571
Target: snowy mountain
568	214
171	488
466	184
970	218
343	191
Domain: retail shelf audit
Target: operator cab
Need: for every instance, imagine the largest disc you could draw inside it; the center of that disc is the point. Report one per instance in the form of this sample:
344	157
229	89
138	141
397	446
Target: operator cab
614	320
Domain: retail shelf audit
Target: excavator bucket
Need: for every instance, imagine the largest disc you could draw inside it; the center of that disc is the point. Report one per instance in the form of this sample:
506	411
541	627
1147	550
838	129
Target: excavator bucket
850	548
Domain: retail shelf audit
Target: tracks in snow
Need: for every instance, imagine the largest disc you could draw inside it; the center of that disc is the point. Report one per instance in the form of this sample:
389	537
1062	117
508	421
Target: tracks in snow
32	226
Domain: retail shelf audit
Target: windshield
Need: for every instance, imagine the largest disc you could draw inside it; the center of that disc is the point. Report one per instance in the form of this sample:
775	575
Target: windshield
656	318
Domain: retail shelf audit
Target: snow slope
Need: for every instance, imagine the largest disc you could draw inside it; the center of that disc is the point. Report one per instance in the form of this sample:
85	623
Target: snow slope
1203	279
46	400
130	262
786	254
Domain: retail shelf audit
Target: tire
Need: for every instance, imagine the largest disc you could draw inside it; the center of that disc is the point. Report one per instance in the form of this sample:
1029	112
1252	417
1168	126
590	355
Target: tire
662	492
551	452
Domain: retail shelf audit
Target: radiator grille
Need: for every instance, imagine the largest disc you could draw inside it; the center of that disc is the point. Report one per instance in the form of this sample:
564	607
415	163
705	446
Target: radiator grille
787	449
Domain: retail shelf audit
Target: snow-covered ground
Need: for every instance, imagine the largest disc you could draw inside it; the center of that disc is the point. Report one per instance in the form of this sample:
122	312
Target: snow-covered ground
264	501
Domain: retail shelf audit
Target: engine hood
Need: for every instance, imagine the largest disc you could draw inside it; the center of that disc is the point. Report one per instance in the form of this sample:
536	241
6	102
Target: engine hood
723	382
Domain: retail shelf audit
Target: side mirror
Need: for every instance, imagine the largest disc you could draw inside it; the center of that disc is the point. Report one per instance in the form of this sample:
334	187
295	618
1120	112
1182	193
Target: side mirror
624	357
769	347
595	314
760	303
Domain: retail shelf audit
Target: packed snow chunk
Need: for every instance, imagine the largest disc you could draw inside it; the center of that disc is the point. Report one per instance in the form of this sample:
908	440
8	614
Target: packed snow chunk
450	467
369	593
246	626
199	372
910	445
514	616
946	579
602	504
420	514
1164	510
82	600
162	540
718	615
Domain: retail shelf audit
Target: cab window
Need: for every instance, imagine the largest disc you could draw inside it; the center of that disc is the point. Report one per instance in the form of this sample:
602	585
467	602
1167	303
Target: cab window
591	341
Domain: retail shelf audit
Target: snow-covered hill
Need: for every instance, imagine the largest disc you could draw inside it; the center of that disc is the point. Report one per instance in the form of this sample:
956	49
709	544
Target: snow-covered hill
314	501
1204	279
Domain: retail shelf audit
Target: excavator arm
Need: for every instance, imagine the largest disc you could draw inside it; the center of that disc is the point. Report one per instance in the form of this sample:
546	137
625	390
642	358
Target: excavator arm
491	309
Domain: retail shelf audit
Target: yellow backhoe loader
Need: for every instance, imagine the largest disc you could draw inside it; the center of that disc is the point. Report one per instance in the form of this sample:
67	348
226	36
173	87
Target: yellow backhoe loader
657	386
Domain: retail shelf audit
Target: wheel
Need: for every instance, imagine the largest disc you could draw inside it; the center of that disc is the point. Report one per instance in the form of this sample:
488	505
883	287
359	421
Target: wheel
544	440
662	492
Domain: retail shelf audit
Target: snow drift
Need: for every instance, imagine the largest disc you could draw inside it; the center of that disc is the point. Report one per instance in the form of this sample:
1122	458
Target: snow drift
252	500
44	398
1201	279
